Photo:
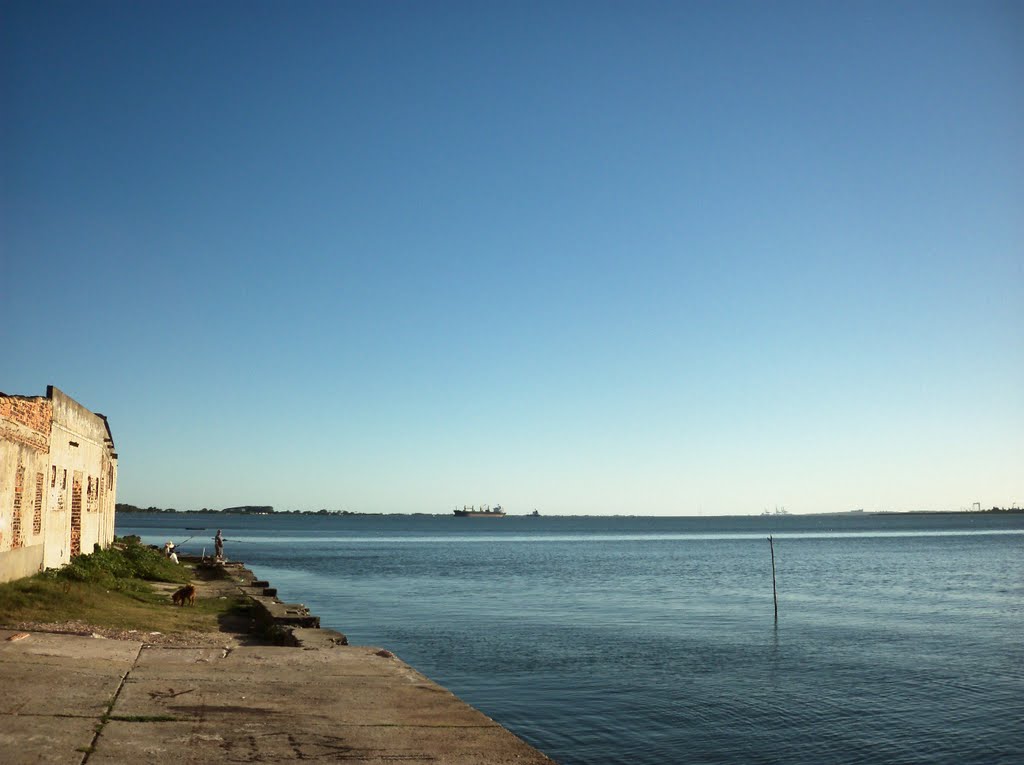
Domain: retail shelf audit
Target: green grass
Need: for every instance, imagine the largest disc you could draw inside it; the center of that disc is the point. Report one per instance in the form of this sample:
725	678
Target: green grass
113	589
124	566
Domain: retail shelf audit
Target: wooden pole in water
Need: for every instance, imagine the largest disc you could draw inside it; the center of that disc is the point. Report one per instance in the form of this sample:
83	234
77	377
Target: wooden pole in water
775	592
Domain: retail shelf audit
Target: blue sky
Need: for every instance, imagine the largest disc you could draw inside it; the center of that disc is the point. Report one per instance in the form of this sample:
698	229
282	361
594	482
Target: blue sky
654	258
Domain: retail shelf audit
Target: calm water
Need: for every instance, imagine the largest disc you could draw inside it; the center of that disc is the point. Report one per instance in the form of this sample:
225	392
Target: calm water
651	640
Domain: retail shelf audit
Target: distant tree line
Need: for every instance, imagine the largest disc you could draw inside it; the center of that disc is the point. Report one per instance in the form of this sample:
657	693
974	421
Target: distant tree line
240	510
249	510
123	508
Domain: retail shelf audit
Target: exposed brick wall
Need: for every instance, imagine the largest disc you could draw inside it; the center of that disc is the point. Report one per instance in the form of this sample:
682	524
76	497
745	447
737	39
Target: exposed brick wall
62	482
92	493
19	490
37	514
35	414
46	438
76	513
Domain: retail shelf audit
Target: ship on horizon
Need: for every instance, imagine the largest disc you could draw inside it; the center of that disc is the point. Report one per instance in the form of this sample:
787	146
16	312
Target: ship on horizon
485	511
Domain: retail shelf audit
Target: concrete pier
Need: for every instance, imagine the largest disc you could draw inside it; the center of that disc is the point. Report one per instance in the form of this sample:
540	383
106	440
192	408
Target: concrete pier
75	699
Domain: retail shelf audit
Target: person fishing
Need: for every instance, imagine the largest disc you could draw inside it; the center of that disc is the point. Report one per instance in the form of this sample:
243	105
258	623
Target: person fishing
218	546
169	551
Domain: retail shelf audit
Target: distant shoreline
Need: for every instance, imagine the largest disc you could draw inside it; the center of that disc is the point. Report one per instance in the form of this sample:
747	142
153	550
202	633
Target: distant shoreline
267	510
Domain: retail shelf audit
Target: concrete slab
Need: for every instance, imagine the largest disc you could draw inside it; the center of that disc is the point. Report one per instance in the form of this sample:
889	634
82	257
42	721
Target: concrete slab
248	704
49	740
96	666
166	659
47	690
318	638
358	700
289	740
41	646
265	662
50	674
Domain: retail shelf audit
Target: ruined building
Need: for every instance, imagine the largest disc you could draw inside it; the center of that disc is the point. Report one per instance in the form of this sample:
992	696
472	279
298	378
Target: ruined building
58	479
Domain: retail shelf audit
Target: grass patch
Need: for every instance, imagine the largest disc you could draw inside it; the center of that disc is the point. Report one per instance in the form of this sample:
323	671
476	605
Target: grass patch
123	565
113	589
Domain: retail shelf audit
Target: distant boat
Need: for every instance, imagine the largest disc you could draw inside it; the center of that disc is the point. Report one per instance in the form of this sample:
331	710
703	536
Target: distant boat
535	514
483	512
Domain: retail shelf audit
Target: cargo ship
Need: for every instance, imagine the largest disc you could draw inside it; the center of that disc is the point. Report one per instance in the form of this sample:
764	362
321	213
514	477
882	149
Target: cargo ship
483	512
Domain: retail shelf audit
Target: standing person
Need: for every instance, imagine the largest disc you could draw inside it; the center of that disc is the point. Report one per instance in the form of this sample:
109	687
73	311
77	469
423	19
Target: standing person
218	546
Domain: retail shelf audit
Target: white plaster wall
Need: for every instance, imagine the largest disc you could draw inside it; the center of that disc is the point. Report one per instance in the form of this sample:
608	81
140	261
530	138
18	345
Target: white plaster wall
15	563
108	500
25	561
78	441
57	522
86	457
72	422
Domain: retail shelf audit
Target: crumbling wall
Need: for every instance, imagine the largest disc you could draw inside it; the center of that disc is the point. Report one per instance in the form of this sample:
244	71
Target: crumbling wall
80	444
25	424
58	482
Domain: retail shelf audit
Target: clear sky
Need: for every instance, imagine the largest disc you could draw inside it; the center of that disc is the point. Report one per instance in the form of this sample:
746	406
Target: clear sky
655	258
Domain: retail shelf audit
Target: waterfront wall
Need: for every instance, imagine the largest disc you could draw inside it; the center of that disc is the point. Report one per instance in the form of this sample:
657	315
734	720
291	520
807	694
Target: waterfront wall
58	482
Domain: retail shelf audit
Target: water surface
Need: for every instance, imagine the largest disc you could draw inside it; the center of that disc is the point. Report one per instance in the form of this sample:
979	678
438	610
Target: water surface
652	640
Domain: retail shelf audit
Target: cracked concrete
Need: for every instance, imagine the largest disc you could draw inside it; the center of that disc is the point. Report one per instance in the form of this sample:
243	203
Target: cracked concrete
239	705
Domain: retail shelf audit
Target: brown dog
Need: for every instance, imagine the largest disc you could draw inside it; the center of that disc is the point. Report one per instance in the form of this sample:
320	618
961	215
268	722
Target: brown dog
188	592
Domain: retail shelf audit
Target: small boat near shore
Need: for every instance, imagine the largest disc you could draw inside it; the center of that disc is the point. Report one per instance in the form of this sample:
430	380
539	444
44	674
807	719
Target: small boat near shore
483	512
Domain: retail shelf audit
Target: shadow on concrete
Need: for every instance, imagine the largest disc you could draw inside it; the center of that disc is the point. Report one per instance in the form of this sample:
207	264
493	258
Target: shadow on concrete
240	620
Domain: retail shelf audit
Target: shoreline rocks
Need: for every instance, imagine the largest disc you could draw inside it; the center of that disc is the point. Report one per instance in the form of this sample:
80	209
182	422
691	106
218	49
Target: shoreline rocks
289	624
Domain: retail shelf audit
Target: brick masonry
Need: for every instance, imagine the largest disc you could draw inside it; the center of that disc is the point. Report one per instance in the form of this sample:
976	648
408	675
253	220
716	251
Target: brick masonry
37	509
32	412
19	490
55	456
76	514
27	421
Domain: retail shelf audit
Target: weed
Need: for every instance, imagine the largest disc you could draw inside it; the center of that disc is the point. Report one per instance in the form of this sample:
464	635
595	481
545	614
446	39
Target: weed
120	566
110	588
